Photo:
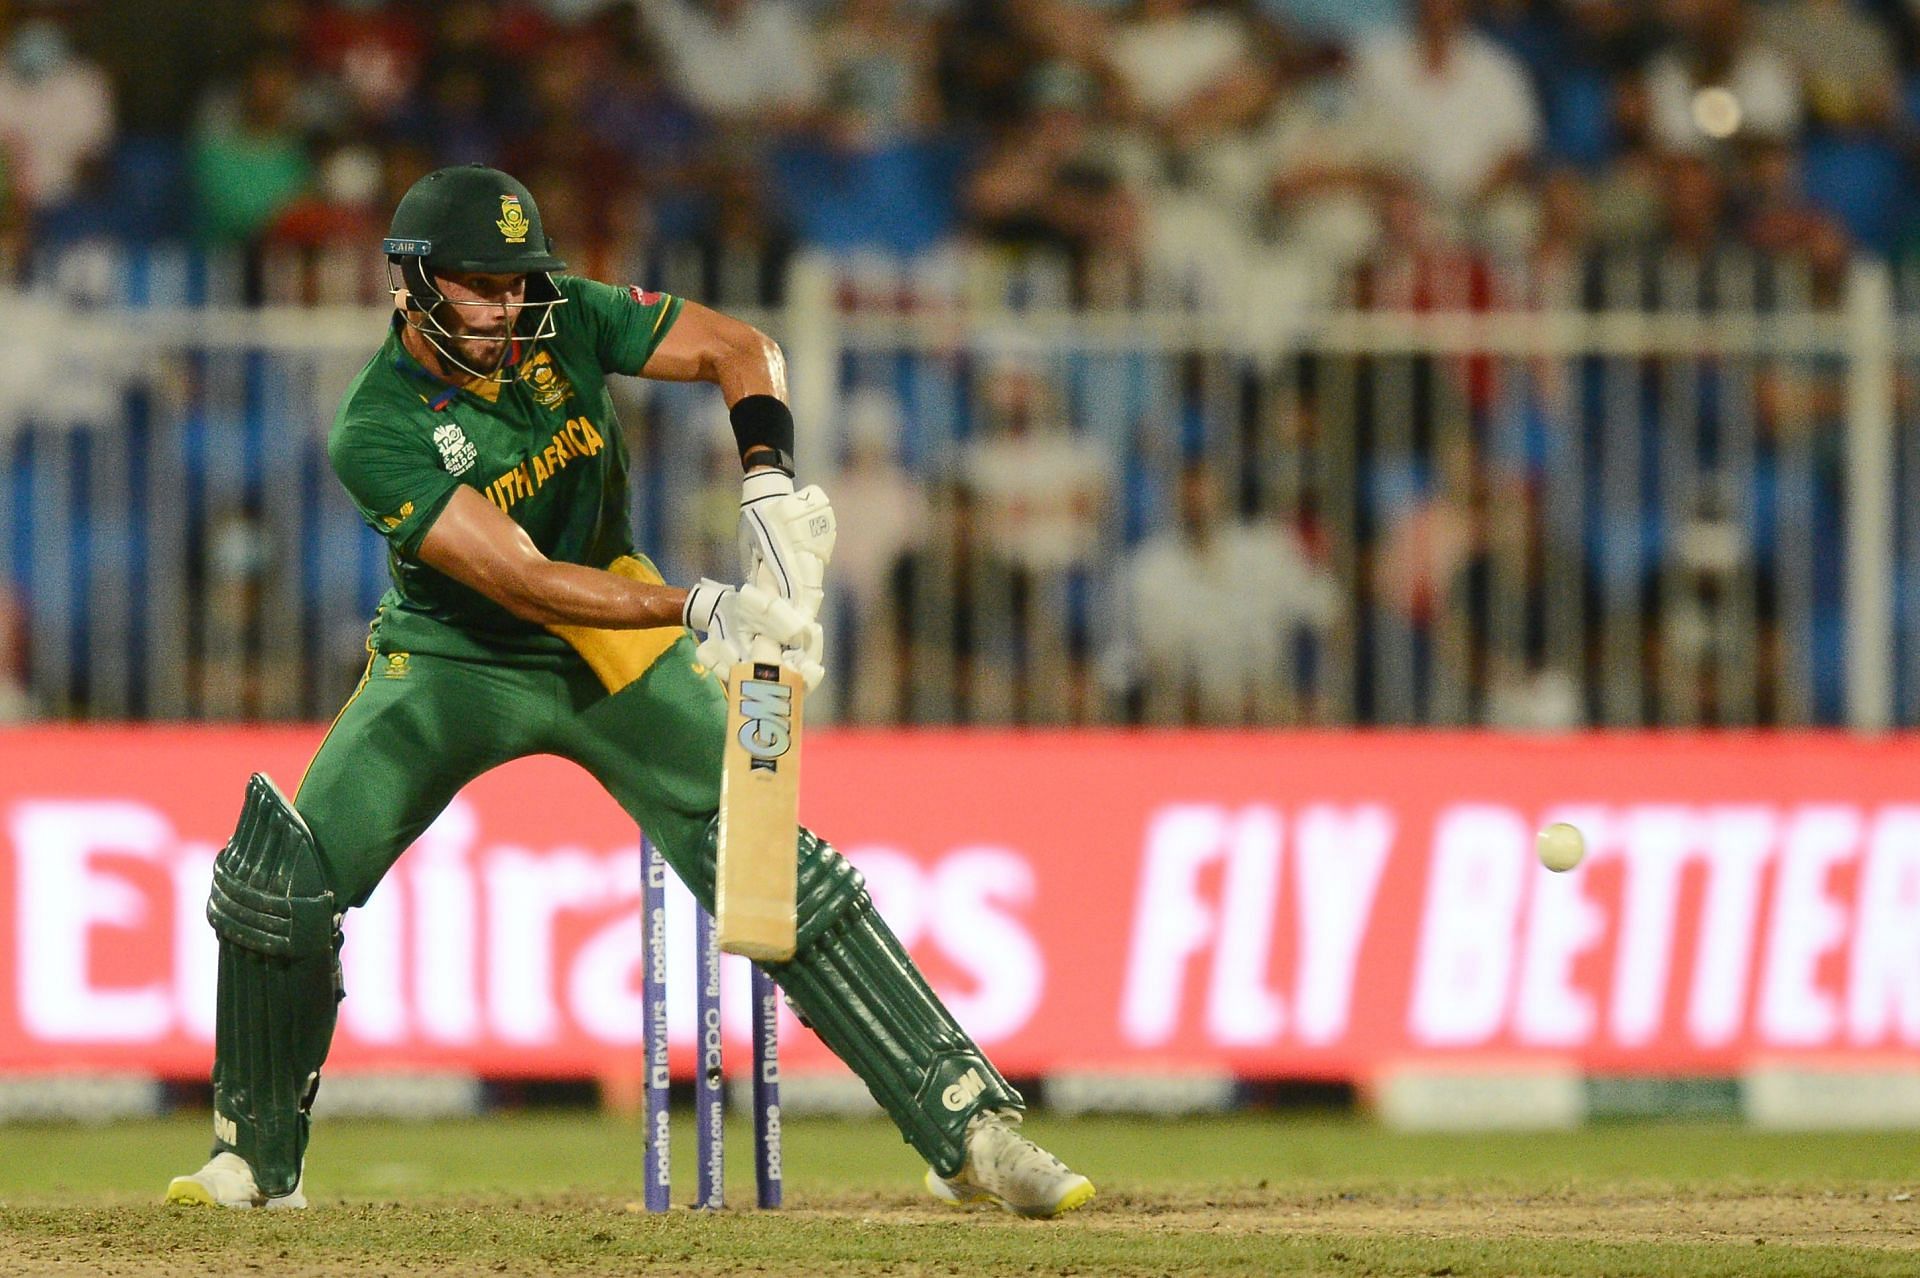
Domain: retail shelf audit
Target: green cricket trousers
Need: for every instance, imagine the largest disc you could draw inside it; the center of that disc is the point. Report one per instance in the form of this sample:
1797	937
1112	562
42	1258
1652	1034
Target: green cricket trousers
638	712
421	726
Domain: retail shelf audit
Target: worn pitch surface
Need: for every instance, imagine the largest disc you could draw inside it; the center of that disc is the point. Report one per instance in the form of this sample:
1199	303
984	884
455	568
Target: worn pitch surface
1251	1195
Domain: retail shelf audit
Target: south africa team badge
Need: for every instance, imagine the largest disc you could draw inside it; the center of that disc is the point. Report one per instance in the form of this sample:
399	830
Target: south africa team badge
549	389
513	221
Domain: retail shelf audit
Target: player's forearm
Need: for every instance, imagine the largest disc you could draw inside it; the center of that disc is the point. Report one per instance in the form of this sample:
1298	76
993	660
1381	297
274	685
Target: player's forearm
553	593
750	365
475	543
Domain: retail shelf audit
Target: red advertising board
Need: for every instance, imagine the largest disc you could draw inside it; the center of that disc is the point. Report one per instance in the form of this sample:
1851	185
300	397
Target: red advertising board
1275	905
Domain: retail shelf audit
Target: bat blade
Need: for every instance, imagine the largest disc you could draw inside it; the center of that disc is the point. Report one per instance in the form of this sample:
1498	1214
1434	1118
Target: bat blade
757	874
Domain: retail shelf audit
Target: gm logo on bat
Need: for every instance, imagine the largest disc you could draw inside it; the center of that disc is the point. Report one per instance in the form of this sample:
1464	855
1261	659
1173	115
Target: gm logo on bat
766	710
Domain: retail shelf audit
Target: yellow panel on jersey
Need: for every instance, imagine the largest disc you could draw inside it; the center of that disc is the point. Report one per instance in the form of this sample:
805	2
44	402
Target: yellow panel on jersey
619	657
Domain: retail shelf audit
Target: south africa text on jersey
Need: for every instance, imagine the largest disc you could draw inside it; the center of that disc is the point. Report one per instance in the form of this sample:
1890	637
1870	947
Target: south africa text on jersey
577	438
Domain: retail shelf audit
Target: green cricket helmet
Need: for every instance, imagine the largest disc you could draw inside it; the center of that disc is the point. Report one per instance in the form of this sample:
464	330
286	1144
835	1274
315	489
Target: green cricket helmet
471	218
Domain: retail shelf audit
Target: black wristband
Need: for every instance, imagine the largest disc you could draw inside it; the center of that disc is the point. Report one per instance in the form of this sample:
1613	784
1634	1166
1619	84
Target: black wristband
764	425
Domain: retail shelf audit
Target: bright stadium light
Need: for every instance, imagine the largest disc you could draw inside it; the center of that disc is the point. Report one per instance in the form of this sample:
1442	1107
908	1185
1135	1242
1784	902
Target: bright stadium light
1716	112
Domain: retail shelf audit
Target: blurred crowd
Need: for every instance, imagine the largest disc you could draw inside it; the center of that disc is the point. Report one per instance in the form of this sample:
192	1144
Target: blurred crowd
1186	132
1050	534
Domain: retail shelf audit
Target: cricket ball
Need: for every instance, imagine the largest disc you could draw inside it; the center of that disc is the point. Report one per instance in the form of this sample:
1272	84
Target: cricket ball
1560	846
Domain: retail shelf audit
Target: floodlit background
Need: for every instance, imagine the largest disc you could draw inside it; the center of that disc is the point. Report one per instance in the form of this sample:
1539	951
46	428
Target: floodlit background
1307	365
1519	364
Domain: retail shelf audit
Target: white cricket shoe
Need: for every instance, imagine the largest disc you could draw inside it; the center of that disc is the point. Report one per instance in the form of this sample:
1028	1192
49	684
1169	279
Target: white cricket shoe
1005	1167
227	1181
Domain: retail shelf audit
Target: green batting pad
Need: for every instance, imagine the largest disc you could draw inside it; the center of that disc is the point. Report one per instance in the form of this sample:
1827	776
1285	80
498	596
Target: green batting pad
854	984
279	986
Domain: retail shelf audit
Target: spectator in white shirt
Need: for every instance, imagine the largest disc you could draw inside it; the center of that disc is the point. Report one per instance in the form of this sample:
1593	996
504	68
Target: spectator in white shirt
1040	488
1459	108
56	114
743	62
1186	68
1209	613
866	617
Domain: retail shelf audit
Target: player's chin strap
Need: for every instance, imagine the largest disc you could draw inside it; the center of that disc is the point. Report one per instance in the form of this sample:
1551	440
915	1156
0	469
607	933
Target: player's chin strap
853	984
423	301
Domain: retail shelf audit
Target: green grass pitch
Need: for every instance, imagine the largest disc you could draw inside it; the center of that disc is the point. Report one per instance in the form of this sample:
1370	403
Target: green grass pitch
1242	1195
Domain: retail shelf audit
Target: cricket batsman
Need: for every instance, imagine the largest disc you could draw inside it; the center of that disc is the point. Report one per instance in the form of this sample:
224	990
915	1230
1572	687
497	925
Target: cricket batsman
481	442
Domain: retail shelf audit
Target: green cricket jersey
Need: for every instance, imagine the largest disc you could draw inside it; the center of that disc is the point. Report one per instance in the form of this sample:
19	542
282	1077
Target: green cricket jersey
545	447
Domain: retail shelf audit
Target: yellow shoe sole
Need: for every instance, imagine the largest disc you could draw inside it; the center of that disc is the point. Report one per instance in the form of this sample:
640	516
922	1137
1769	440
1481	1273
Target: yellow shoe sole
188	1191
963	1196
1079	1196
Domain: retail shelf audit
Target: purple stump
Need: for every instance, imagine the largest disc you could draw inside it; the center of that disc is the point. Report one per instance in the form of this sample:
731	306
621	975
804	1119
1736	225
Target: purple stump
766	1088
709	1083
653	944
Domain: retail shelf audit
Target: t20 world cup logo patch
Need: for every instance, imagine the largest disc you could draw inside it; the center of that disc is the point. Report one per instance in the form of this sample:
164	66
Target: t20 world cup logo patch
457	452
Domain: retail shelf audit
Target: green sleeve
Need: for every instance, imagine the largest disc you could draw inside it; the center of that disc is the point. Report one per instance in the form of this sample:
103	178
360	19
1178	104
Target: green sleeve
627	324
397	483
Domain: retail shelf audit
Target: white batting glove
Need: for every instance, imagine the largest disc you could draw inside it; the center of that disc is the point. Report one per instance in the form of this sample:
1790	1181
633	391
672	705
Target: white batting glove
790	534
731	619
806	658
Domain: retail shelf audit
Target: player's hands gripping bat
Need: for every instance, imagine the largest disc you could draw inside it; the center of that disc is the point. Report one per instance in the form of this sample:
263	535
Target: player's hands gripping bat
790	533
737	622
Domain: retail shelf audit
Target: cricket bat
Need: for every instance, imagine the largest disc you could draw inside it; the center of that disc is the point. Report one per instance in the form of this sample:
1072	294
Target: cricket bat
758	871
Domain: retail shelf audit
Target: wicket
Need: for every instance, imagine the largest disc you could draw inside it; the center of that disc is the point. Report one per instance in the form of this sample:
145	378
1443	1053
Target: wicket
710	1095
